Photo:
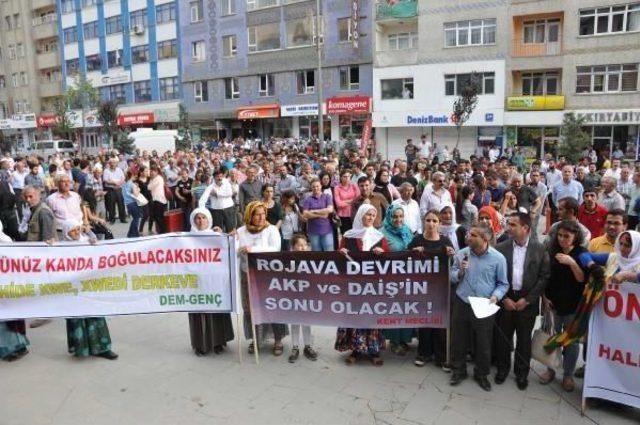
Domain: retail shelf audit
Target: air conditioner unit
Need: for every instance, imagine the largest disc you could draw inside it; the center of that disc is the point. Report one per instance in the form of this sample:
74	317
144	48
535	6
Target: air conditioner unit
138	29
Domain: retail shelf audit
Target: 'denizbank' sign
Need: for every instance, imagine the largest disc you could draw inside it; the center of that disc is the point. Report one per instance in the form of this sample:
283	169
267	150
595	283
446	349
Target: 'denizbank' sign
427	119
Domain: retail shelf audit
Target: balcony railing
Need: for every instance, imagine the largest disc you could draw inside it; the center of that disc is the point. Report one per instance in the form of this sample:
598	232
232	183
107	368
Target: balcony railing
398	9
535	103
521	49
41	20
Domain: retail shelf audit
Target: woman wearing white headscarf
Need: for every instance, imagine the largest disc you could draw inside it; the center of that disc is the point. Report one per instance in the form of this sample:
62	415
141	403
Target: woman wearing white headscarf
13	339
623	264
209	331
449	228
362	237
86	336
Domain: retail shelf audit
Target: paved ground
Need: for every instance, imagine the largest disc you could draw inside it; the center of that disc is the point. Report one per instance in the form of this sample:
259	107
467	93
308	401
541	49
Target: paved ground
157	380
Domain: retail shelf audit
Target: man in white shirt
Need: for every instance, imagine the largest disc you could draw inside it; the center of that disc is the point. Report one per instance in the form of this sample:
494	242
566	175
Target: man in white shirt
425	147
112	181
614	171
172	174
220	197
410	207
435	197
610	198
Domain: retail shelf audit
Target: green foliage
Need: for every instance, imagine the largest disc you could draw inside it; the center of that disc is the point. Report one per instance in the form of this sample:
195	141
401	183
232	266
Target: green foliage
62	127
466	102
183	140
573	137
108	116
124	143
82	94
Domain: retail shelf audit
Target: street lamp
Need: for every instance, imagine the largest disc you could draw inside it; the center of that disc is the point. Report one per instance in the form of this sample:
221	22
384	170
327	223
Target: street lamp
319	49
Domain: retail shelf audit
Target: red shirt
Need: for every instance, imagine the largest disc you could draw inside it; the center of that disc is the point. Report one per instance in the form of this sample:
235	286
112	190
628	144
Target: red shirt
594	221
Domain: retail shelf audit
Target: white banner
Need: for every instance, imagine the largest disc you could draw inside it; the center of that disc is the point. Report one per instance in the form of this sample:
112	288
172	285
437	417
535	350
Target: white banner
613	360
156	274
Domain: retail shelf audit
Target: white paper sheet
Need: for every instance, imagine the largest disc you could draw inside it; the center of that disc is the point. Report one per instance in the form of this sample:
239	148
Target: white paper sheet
482	307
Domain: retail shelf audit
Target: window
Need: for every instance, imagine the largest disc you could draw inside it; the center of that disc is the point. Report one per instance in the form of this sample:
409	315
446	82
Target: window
14	79
67	6
2	82
117	93
114	58
403	41
24	80
396	88
196	9
93	63
114	24
228	7
541	31
229	46
349	78
344	30
266	85
138	19
142	91
8	22
259	4
540	83
17	23
90	30
454	83
470	33
70	35
200	92
12	51
306	81
168	49
73	67
197	51
20	50
607	78
169	88
231	88
87	3
610	19
264	37
165	13
300	32
140	54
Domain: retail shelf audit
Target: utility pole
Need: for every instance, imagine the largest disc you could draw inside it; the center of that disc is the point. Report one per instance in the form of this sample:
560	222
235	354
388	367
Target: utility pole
319	81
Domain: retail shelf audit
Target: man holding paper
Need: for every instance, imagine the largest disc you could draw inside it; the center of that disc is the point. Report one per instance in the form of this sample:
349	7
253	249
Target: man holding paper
479	271
528	273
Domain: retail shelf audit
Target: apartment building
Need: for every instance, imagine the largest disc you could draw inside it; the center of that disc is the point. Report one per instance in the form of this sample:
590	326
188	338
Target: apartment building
425	51
573	56
249	67
30	74
129	50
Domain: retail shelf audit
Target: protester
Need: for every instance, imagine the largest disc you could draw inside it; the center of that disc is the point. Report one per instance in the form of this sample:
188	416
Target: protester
158	199
113	179
465	209
291	219
368	196
130	194
591	214
345	194
316	209
489	216
362	237
436	196
219	194
609	197
274	211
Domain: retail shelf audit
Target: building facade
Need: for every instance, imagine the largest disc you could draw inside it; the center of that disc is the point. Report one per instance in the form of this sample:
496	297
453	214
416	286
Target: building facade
30	73
130	51
249	67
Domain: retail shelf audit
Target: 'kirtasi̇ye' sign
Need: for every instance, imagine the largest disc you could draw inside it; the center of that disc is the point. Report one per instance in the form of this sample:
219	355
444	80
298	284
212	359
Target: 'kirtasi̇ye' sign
156	274
620	116
391	290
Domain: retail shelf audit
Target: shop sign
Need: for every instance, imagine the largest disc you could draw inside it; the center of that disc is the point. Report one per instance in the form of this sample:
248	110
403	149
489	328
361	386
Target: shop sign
261	111
45	121
110	79
136	119
609	117
366	136
535	103
90	119
428	119
18	121
355	22
349	105
310	109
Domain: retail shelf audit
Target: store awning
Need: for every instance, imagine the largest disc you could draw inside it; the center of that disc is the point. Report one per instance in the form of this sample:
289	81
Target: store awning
271	110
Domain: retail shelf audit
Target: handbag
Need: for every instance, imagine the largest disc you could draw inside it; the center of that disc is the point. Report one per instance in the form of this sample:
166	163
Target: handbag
141	200
552	359
168	194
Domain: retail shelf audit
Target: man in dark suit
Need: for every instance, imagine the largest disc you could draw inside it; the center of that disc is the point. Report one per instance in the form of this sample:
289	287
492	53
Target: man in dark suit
528	274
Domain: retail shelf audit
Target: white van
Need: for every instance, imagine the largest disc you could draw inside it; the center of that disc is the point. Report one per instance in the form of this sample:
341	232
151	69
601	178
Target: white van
44	148
148	139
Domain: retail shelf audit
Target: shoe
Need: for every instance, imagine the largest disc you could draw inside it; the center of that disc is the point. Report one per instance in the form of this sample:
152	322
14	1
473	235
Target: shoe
579	373
457	378
500	378
547	377
522	383
39	322
199	353
310	353
16	356
377	361
218	349
567	384
112	222
109	355
278	349
295	353
446	367
419	361
350	359
483	382
125	221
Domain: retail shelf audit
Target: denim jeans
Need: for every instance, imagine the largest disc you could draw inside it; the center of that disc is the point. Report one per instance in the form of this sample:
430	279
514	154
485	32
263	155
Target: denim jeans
136	212
570	353
322	242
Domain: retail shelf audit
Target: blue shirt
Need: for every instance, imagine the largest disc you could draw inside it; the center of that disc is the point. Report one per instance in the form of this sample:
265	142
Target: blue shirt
127	192
562	190
485	277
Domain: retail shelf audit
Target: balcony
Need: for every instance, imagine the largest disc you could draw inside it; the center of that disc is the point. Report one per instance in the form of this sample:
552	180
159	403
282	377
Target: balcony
39	4
537	35
50	88
45	27
402	9
521	49
535	103
48	60
396	57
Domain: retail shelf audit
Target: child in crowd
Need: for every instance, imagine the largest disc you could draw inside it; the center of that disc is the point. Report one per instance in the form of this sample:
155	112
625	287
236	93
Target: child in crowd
299	242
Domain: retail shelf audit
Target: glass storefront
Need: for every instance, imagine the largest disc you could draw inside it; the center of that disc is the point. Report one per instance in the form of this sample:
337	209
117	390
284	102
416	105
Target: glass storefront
309	127
351	125
537	141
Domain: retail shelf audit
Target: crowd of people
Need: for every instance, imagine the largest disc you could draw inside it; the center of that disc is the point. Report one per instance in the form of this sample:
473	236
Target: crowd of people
526	235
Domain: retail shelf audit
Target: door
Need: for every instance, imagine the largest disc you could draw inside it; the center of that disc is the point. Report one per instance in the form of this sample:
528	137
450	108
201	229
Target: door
553	37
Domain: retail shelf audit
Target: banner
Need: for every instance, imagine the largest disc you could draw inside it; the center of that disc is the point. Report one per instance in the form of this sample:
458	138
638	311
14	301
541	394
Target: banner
391	290
157	274
613	360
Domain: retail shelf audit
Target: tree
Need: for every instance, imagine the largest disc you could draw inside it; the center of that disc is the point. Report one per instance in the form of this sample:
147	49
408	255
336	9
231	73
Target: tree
63	127
183	139
81	95
108	116
124	143
466	102
574	139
